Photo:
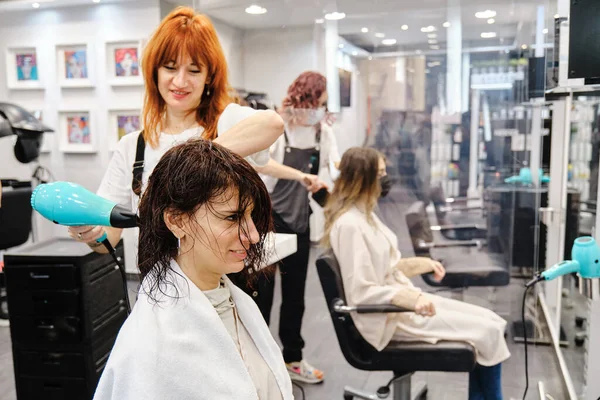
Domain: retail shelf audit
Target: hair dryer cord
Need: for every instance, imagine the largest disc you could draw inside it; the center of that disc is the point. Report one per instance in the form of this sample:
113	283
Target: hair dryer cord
523	321
121	267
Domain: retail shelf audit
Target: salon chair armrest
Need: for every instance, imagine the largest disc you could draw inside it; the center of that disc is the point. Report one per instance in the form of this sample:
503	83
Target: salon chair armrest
341	308
456	227
461	208
456	243
459	199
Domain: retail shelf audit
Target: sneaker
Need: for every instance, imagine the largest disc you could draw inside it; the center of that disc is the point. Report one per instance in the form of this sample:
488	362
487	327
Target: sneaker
302	371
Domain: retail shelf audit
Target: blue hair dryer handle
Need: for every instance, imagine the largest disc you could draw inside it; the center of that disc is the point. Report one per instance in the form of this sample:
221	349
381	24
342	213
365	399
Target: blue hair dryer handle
102	238
560	269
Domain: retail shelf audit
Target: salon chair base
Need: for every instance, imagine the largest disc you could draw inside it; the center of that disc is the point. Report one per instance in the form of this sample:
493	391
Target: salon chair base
402	390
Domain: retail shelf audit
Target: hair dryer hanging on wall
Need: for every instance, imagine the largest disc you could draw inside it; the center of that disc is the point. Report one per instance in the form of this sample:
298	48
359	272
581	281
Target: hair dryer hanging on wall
15	120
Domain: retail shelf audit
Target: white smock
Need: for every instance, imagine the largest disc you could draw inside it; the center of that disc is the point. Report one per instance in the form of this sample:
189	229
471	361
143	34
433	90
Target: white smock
367	254
178	348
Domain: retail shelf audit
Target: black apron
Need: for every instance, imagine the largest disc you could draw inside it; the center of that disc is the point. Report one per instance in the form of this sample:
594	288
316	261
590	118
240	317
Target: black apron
289	197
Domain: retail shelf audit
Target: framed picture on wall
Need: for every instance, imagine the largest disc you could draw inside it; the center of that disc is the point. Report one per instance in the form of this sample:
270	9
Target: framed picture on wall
345	87
75	65
123	63
75	132
22	68
123	122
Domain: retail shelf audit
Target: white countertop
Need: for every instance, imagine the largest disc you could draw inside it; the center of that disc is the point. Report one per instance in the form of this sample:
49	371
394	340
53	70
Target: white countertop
285	244
279	246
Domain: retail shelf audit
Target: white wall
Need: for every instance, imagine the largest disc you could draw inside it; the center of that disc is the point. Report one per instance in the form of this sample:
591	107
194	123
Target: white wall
273	58
231	42
44	29
351	124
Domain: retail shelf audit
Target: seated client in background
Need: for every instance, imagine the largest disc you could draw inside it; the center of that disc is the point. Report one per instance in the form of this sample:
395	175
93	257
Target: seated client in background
373	272
192	334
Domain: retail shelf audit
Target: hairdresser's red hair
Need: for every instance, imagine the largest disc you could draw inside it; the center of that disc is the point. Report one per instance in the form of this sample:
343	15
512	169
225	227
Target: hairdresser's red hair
305	91
183	32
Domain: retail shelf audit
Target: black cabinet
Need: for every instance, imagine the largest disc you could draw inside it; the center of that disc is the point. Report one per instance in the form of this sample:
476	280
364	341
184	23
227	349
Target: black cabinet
66	306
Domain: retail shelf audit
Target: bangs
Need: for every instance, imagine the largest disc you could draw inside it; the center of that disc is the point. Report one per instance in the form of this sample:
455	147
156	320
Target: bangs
184	42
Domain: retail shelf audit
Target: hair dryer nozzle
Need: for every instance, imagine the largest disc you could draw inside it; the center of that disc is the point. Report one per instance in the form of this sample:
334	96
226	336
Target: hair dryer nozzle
120	217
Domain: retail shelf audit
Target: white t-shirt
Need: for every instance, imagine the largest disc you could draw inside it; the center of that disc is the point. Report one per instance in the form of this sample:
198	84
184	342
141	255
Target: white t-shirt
116	184
303	137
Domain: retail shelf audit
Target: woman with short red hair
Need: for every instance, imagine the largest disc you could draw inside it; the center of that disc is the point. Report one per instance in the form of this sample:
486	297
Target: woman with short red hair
306	149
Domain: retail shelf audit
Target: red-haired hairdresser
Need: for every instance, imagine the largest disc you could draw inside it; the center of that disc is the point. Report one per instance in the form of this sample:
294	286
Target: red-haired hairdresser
306	148
185	75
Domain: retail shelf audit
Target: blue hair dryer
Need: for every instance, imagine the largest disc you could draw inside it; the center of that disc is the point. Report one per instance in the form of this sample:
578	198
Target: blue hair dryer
69	204
525	177
585	261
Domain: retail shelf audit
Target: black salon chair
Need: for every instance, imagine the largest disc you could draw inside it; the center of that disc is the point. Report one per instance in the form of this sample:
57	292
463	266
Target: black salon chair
470	267
15	213
457	220
15	224
401	358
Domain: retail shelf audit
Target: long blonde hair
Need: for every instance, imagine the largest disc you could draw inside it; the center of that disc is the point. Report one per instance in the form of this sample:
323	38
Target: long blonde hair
358	183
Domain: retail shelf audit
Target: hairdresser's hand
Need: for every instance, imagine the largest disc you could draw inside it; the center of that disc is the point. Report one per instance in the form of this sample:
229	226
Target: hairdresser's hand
86	234
424	306
312	183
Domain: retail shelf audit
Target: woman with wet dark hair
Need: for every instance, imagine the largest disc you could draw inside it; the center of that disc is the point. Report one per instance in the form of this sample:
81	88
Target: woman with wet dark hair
193	334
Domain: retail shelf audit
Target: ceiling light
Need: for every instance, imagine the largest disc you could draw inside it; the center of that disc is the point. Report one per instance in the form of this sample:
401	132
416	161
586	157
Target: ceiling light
35	5
404	27
488	35
380	35
545	30
419	52
556	16
256	10
429	28
485	14
319	21
432	36
446	24
335	16
432	41
491	21
388	42
96	1
370	58
434	47
364	30
524	47
341	45
355	53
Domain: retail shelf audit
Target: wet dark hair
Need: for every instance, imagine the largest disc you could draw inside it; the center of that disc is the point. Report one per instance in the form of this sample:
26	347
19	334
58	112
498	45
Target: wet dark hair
187	177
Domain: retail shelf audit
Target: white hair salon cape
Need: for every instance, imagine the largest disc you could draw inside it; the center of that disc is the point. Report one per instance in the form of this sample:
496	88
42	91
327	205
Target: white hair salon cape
180	349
